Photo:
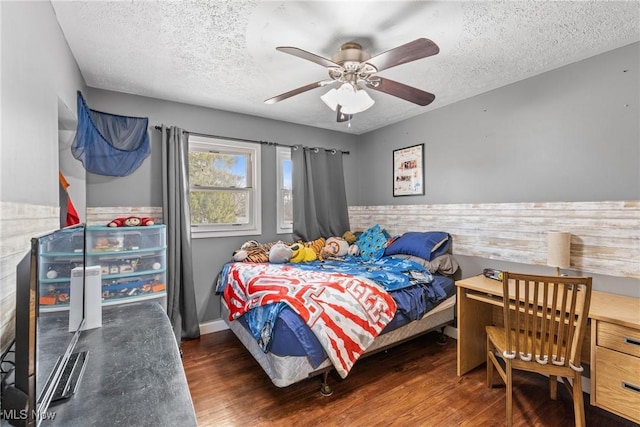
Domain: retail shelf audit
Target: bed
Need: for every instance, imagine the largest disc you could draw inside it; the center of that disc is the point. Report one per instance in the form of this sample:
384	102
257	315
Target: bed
401	292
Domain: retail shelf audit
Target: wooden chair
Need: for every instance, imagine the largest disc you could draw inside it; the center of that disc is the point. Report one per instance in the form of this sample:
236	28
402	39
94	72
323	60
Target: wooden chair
545	321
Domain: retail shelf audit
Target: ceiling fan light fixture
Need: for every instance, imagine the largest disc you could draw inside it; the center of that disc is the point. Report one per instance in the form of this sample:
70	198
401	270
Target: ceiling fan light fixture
330	99
351	99
361	101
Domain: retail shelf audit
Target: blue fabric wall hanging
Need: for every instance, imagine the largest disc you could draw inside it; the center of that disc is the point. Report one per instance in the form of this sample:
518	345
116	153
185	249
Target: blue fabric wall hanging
109	144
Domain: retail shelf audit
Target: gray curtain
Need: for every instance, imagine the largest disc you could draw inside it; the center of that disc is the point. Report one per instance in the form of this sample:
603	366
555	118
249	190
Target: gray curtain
181	299
319	195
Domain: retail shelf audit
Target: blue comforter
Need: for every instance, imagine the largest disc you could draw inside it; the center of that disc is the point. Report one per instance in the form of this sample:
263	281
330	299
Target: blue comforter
390	273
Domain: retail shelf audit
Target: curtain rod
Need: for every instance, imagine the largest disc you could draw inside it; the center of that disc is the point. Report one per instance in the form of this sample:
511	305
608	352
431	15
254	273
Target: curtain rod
227	138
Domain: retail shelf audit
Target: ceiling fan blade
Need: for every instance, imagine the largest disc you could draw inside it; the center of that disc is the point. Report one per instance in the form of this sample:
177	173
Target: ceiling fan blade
417	49
297	91
408	93
308	56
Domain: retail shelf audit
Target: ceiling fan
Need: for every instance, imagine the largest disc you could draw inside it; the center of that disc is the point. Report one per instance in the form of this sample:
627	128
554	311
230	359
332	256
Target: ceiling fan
354	69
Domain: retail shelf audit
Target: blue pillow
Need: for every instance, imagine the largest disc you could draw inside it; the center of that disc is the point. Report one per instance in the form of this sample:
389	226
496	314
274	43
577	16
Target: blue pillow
426	245
372	243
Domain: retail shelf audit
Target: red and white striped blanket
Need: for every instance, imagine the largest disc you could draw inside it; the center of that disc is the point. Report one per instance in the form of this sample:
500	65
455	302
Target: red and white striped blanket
346	313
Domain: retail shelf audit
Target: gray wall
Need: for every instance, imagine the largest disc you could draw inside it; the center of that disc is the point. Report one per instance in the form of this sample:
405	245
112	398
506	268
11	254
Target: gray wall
39	78
38	70
571	134
144	186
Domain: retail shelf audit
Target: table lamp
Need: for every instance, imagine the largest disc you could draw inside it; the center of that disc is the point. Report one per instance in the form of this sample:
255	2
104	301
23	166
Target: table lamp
558	250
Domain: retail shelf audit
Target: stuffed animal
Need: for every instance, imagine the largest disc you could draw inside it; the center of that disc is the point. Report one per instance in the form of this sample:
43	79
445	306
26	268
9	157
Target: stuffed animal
280	253
316	246
335	247
349	237
307	251
302	253
132	221
354	250
297	252
250	244
252	251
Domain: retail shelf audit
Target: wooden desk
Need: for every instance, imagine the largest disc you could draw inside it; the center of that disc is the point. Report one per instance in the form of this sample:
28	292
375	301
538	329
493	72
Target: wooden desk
614	341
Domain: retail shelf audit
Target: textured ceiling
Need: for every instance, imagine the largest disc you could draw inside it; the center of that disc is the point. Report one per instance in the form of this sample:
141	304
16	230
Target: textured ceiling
221	54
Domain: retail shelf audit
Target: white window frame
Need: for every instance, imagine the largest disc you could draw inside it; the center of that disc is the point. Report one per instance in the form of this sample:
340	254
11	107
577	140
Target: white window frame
282	227
254	225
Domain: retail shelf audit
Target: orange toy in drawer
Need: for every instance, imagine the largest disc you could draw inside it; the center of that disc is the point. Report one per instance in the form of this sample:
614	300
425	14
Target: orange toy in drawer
48	300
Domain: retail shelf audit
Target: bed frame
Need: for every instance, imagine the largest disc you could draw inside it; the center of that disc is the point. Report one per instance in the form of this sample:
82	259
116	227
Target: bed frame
286	370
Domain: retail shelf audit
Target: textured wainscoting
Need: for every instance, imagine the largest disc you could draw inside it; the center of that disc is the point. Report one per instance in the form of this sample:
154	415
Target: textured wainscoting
19	222
605	236
104	215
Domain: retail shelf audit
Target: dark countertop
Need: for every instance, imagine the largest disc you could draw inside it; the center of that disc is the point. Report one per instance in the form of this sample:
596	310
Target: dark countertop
134	374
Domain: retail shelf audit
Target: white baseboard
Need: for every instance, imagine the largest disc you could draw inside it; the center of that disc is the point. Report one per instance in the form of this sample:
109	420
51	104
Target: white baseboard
213	326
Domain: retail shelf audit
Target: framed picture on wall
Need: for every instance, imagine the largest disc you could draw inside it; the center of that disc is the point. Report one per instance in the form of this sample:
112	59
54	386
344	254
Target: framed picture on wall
408	171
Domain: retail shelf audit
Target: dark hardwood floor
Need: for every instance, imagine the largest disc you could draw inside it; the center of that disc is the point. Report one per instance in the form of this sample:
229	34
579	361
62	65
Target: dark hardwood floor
414	384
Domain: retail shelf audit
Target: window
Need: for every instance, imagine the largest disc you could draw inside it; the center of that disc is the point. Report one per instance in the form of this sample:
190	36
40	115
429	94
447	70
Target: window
224	189
285	198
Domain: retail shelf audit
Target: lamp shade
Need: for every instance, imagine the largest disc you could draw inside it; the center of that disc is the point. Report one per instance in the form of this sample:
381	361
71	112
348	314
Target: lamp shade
330	99
351	99
559	249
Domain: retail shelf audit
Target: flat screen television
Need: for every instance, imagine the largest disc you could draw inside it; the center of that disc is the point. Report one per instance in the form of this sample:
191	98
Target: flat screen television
40	376
19	399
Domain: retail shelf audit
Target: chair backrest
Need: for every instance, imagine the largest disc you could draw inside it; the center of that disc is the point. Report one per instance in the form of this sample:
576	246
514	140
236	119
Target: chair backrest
547	317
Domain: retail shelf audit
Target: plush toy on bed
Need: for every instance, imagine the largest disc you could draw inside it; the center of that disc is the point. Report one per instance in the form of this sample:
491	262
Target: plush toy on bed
252	251
302	253
354	250
335	247
349	237
280	253
307	251
132	221
316	246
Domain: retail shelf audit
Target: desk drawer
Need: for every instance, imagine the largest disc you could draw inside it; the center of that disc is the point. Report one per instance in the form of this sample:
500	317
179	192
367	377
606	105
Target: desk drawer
620	338
618	383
